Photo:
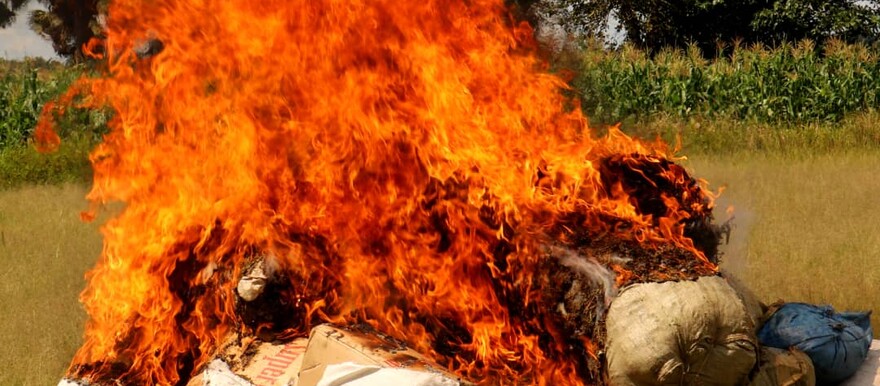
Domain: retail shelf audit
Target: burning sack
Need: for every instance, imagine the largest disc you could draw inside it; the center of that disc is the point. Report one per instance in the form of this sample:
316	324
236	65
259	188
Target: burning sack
682	333
837	343
780	367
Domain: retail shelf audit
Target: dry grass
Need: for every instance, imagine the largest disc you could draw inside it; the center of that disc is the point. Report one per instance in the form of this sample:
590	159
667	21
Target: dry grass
44	252
805	231
806	226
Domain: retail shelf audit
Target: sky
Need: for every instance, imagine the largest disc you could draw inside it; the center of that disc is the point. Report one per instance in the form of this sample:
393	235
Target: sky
18	41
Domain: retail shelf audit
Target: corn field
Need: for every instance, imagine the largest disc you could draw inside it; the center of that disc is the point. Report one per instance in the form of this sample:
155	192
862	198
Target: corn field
25	86
22	96
754	98
790	83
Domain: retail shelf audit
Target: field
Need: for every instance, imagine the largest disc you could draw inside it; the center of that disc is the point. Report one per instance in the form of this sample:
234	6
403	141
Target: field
45	253
805	231
799	170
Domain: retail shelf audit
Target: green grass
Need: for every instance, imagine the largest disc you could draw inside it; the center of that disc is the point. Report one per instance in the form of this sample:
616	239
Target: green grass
727	136
22	164
45	251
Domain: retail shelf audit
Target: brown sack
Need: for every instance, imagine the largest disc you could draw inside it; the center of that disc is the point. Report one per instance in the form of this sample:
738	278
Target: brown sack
680	333
784	368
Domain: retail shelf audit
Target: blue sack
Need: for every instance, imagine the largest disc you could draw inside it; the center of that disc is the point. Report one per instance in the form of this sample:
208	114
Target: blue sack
836	342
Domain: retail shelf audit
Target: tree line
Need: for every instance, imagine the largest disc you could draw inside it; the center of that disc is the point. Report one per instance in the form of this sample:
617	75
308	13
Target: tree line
67	24
651	25
711	25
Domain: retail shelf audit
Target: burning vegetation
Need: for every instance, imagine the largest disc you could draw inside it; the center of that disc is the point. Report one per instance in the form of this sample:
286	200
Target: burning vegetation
404	165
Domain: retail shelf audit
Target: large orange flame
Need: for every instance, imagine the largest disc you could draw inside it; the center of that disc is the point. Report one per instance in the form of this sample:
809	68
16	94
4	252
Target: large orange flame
403	163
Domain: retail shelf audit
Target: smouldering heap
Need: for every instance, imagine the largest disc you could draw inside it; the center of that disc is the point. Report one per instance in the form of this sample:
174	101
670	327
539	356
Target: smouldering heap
405	164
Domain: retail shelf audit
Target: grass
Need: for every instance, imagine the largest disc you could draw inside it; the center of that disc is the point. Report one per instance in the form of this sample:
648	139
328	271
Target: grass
22	164
45	251
728	136
805	225
804	231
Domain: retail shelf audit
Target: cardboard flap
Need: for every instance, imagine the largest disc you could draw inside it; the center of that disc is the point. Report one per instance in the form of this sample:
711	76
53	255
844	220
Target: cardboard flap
269	364
330	345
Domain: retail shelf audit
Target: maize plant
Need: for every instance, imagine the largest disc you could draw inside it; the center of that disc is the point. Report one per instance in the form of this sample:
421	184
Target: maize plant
792	83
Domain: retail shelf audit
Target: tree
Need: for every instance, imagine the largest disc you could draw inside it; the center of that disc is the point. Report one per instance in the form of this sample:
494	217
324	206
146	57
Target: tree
847	20
654	24
68	24
8	10
573	15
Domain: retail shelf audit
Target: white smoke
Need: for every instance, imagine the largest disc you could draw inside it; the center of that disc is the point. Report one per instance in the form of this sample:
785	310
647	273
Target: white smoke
594	270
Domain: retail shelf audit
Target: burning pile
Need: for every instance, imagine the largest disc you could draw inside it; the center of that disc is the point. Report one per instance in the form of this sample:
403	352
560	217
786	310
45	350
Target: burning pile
405	165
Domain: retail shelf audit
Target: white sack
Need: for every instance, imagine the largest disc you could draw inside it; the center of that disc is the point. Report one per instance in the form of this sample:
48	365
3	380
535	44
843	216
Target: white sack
680	333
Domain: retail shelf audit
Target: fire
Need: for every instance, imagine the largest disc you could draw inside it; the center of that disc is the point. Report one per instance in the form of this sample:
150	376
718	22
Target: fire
404	164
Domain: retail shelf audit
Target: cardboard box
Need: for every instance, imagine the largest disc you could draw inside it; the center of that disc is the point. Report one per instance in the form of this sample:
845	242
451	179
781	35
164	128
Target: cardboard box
276	365
329	345
273	364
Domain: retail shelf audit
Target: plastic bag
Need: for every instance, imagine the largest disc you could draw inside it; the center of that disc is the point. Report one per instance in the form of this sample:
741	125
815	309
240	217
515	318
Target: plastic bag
837	343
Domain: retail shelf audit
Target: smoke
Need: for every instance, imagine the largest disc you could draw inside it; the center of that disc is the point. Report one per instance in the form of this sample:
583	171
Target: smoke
597	272
735	248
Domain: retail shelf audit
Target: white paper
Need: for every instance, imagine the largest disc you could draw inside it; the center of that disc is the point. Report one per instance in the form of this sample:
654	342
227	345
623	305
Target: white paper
68	382
350	374
218	374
